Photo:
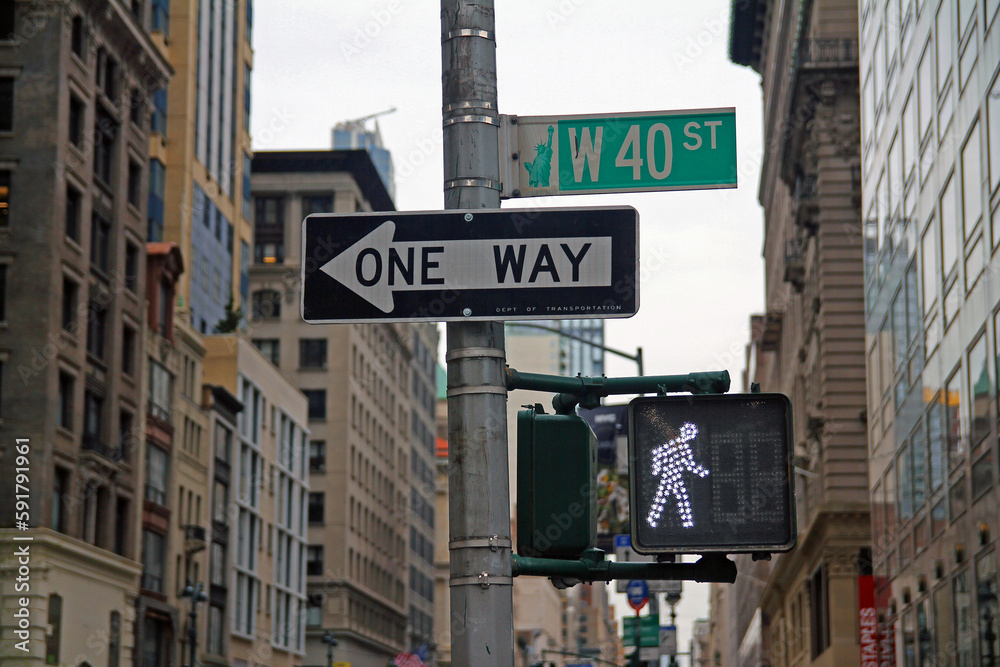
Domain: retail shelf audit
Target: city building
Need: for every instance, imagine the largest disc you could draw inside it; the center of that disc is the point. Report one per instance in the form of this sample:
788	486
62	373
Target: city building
442	554
930	147
199	154
174	459
355	135
802	607
701	633
74	135
424	519
371	391
267	505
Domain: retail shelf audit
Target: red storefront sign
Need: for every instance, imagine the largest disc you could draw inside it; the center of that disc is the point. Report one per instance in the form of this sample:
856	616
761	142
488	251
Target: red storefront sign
868	625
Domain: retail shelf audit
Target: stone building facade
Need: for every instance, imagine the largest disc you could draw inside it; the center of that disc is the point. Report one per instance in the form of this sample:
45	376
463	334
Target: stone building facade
74	132
802	608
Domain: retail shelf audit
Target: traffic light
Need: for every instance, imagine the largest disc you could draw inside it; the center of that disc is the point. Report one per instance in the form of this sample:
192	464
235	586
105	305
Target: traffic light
556	475
711	472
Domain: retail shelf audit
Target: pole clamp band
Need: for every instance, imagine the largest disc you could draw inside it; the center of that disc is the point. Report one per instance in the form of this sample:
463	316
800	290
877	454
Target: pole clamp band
471	118
484	580
477	104
482	389
493	543
468	32
474	353
472	183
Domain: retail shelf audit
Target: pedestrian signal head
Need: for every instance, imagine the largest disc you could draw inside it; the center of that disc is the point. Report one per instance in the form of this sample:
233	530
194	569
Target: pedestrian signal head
711	473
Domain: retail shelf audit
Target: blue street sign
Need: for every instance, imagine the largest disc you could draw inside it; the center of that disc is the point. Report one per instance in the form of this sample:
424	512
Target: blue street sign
638	593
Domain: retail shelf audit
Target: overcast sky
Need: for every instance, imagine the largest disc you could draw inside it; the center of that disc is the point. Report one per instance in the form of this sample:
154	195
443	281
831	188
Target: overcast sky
317	62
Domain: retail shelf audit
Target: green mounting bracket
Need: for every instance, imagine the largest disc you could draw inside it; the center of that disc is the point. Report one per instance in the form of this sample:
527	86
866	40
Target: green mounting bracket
587	392
592	566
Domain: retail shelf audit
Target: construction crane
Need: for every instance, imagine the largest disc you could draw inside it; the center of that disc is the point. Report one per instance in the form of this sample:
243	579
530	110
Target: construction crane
360	122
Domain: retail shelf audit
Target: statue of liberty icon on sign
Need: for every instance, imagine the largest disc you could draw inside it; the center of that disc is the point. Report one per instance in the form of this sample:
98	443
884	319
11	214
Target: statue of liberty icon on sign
538	171
670	460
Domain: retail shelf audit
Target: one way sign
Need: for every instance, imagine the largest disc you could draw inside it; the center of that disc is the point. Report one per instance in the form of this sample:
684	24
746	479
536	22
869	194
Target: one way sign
551	263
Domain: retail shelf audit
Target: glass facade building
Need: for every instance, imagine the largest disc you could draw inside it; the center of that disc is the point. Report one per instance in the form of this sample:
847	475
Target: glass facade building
931	163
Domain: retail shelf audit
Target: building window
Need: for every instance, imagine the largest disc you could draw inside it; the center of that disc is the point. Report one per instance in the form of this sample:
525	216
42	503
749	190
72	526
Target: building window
266	304
137	102
131	266
70	295
314	560
317	403
154	201
73	210
979	391
316	507
963	619
317	204
60	491
6	103
223	442
220	498
4	198
128	350
93	420
216	630
100	243
52	639
105	131
953	420
160	111
77	40
134	182
160	383
76	115
270	348
127	437
314	612
66	384
246	96
156	475
249	21
114	638
161	16
107	74
972	206
819	612
312	353
269	230
317	455
153	560
949	228
165	302
97	321
217	566
987	592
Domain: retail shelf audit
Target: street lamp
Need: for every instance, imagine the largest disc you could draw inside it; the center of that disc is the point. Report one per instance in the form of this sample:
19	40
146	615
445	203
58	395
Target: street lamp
330	642
197	594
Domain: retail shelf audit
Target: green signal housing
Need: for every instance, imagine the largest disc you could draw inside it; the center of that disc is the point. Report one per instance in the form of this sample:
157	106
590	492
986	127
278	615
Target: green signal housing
556	485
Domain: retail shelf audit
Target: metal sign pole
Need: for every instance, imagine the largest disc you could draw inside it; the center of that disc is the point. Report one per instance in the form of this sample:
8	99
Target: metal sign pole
481	624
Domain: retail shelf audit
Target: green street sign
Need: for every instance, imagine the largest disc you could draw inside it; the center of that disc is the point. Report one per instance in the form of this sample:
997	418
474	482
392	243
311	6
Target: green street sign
630	152
649	630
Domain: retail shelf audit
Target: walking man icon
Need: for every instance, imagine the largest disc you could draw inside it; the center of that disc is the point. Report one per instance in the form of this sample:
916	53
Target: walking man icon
670	460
